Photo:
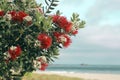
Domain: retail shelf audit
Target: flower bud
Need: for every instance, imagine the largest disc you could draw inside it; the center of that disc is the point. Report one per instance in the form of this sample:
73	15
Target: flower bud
8	17
62	39
27	18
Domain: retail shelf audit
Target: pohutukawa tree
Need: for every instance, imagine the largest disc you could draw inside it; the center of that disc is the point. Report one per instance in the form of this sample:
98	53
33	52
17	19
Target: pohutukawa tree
31	36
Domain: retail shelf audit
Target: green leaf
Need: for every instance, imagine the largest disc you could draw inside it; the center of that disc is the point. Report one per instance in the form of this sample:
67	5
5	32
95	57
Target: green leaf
48	12
54	4
50	5
51	8
46	2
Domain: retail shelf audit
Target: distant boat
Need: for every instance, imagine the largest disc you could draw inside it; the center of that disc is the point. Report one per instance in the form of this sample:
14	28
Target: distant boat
84	64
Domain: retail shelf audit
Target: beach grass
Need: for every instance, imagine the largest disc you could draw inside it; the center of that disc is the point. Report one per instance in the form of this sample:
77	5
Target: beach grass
34	76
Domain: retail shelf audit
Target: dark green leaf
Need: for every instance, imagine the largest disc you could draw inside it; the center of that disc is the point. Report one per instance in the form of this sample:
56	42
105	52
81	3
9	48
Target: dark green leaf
54	4
51	8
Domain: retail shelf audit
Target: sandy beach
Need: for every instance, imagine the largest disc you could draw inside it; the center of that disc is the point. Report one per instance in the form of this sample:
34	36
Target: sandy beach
86	76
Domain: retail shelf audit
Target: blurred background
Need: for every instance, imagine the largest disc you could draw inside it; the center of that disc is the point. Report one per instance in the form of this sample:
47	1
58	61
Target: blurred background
99	42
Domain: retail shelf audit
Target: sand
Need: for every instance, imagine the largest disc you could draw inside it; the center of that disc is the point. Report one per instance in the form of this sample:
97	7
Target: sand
86	76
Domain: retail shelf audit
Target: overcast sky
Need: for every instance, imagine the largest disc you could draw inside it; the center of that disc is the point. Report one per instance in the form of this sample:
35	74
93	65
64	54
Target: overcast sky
99	41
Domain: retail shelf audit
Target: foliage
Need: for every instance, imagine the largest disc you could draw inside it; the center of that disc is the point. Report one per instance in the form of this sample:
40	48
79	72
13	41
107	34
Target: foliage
30	37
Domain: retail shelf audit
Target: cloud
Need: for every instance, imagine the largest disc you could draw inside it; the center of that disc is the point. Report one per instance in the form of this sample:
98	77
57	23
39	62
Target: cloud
106	36
101	10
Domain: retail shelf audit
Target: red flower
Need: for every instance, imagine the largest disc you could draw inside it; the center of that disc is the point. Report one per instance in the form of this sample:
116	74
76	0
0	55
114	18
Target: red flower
55	18
1	13
67	42
62	38
57	34
18	16
13	14
43	66
68	27
14	52
42	63
75	32
62	22
45	41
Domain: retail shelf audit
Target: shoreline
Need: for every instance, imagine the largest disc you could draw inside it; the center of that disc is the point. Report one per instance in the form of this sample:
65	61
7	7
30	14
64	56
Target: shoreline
86	76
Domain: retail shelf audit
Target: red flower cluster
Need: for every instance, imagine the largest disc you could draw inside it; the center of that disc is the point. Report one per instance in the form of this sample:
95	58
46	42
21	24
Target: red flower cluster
18	16
43	63
62	22
14	52
63	38
1	13
43	66
45	41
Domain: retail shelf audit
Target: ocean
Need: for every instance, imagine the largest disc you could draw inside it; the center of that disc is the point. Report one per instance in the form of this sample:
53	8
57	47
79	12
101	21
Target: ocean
81	68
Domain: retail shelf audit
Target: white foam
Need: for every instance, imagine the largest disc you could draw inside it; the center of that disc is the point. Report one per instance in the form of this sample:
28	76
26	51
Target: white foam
54	72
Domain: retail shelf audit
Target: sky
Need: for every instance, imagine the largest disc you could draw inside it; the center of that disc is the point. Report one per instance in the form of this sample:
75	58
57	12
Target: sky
97	43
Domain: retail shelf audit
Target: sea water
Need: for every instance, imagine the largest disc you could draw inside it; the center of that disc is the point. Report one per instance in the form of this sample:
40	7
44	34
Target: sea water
111	69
